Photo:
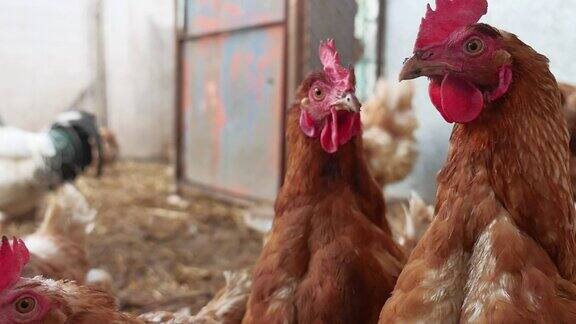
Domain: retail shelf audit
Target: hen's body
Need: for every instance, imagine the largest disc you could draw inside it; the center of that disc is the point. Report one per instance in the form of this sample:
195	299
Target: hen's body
58	247
389	124
31	164
326	261
501	248
20	158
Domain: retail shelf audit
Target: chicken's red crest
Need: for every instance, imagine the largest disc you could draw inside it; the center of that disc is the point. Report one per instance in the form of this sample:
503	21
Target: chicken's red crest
449	16
12	259
340	76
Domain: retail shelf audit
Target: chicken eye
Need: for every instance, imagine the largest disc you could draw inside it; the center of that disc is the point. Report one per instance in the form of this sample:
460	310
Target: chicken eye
474	46
318	94
25	305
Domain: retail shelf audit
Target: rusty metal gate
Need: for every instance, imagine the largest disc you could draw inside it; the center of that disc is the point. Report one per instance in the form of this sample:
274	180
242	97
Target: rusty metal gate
231	97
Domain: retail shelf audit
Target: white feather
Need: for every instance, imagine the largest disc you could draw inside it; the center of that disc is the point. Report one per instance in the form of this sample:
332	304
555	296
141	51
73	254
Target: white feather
23	172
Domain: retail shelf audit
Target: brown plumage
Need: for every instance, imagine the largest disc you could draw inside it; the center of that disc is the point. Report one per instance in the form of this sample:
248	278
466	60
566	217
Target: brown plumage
569	105
501	248
325	261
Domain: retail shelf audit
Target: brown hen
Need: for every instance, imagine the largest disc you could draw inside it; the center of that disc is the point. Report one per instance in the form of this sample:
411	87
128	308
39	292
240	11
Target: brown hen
330	257
501	248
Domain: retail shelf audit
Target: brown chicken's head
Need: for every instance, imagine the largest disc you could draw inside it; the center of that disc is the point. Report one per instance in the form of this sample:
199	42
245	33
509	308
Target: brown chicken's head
19	303
40	300
329	107
466	62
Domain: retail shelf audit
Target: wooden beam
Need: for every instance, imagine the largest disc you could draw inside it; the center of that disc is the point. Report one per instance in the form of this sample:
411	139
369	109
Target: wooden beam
380	44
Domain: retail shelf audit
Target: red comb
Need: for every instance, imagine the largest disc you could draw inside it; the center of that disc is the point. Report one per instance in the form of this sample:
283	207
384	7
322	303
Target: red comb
12	260
339	75
449	16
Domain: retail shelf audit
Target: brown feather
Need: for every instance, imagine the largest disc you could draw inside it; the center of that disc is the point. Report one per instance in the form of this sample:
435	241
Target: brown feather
569	105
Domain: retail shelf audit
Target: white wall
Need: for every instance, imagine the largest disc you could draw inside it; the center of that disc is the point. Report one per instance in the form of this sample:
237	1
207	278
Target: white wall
548	26
45	58
49	56
140	77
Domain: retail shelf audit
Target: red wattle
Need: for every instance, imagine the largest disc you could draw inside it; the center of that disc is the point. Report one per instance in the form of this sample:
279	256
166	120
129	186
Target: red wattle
457	100
339	129
348	126
435	93
329	136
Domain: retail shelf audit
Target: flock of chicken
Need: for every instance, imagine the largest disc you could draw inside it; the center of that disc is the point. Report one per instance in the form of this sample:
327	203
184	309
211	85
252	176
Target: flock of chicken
499	247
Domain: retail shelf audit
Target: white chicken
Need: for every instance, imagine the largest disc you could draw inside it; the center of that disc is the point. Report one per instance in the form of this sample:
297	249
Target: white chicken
389	124
31	164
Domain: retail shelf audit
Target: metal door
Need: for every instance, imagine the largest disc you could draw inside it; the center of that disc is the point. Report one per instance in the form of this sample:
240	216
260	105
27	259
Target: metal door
232	66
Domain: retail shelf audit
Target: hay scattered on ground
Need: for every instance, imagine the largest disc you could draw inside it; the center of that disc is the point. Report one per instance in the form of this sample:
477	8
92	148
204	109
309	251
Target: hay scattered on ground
163	252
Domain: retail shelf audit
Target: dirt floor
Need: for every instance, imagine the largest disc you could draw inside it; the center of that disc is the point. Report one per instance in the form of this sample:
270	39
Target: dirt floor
163	252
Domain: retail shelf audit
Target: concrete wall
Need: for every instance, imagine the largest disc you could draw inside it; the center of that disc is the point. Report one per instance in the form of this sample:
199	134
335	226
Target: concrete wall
49	55
548	26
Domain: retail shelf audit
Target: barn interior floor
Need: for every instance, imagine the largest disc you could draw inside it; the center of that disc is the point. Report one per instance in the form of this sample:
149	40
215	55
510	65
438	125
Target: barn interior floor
164	252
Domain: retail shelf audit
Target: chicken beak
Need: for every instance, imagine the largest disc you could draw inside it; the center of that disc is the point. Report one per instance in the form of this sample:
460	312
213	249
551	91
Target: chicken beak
415	67
348	102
